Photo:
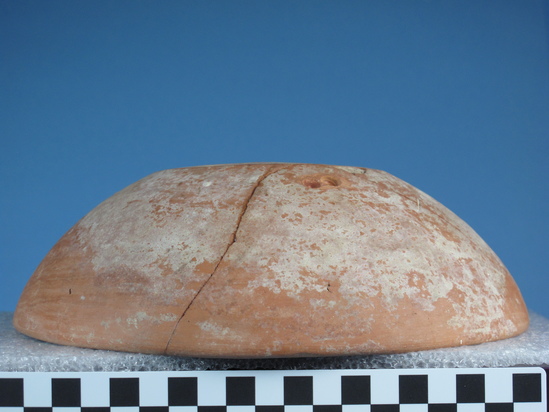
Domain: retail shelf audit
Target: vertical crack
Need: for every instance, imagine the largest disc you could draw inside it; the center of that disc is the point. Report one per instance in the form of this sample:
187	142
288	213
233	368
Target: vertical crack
269	171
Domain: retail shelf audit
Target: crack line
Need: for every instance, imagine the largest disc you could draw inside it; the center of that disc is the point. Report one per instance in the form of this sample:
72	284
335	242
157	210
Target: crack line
269	171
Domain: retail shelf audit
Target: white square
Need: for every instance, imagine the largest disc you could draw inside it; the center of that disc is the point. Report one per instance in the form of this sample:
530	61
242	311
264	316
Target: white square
384	388
498	386
37	390
418	407
124	408
529	407
327	389
470	407
65	409
442	386
240	408
183	408
269	389
355	408
95	390
153	390
12	409
298	408
211	390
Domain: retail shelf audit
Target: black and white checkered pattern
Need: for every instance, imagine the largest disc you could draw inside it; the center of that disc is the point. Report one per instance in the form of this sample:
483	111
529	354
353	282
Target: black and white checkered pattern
428	390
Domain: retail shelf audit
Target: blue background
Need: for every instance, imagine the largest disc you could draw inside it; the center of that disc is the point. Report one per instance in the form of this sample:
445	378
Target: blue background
451	96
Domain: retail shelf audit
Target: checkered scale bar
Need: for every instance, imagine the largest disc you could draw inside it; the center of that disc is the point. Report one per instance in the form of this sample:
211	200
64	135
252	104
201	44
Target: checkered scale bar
410	390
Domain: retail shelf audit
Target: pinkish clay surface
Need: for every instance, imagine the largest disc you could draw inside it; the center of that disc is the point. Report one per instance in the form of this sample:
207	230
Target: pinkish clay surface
259	260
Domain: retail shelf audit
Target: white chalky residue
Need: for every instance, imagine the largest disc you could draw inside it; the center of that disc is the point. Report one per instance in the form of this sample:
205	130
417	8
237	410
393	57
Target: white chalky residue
319	303
167	237
396	266
143	316
216	330
351	169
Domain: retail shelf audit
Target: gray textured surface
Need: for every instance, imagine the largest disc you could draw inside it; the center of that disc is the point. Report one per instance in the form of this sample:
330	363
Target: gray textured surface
20	353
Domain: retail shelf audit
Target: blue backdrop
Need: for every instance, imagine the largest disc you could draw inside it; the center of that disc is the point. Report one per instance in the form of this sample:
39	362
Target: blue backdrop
451	96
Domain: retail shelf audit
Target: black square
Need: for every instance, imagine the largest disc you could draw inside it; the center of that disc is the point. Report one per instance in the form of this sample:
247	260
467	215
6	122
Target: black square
413	389
498	407
11	392
470	388
65	392
240	390
442	407
526	387
327	408
212	409
298	390
385	408
269	408
95	409
154	409
38	409
124	391
182	391
355	390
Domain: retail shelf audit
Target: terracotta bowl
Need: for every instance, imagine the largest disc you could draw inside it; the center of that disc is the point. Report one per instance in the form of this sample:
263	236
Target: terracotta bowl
270	260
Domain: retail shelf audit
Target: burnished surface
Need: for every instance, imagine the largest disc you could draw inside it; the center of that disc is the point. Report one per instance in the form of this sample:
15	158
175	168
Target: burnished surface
271	260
